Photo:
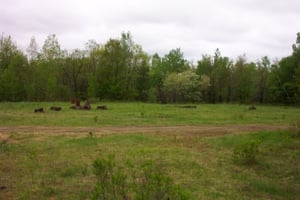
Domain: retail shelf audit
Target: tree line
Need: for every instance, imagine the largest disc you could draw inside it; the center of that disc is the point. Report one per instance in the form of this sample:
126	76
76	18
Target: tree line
121	70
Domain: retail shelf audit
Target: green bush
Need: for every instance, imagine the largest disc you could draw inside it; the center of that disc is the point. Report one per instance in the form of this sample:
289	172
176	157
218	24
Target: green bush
295	129
246	152
111	182
4	146
153	183
146	182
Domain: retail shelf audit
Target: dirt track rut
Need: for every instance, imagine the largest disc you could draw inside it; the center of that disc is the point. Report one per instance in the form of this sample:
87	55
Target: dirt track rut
204	130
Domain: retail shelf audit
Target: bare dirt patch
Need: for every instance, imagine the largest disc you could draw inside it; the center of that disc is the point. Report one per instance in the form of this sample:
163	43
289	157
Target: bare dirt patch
205	130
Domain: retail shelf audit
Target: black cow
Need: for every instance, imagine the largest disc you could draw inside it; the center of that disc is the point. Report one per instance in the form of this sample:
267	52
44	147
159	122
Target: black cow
39	110
87	105
101	107
187	106
55	108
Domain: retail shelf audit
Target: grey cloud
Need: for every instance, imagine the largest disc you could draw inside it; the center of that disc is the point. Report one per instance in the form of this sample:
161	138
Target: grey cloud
254	27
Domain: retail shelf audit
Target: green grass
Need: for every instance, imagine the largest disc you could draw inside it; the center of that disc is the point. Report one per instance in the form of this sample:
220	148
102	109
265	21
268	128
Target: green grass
138	114
60	167
53	166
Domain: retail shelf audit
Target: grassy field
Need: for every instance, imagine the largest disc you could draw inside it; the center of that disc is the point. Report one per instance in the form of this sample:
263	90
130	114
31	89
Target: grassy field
180	165
140	114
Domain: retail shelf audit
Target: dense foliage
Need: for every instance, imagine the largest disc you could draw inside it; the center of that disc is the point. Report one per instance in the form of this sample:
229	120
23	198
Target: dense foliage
121	70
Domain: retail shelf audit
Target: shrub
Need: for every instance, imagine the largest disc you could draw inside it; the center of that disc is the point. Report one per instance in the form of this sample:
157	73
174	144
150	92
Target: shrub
246	152
111	182
4	147
295	129
153	183
147	182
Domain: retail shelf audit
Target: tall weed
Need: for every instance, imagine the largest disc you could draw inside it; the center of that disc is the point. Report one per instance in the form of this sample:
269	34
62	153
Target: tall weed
246	152
149	181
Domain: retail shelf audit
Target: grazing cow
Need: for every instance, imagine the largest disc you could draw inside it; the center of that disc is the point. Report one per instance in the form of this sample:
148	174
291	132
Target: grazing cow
39	110
187	106
55	108
87	105
101	107
77	103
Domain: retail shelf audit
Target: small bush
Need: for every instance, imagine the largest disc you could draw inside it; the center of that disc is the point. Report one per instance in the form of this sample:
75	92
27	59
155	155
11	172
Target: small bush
68	172
239	116
246	152
295	129
111	183
49	191
4	147
142	112
95	118
147	182
153	183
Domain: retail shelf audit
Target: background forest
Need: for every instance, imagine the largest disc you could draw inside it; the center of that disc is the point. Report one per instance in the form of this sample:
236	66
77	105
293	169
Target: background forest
121	70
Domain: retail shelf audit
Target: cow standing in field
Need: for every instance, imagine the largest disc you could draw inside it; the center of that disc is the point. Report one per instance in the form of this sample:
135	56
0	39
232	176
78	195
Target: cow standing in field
87	105
101	107
77	103
39	110
55	108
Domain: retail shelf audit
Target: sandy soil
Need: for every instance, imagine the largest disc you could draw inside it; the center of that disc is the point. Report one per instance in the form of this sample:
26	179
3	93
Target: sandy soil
205	130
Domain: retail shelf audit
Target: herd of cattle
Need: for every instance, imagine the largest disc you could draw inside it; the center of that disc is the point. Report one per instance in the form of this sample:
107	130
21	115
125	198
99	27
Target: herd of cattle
87	106
76	106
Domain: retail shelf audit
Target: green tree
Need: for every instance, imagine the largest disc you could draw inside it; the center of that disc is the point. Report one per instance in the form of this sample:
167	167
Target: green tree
221	78
182	87
8	50
244	80
74	72
94	52
142	76
13	70
47	76
205	68
284	78
174	62
111	71
204	86
32	50
157	76
263	67
219	71
51	49
134	58
122	65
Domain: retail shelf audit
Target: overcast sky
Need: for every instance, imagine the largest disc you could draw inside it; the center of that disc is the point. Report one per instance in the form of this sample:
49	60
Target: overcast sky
252	27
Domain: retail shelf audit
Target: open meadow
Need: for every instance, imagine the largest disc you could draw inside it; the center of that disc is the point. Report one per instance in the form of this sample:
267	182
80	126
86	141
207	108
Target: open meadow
149	151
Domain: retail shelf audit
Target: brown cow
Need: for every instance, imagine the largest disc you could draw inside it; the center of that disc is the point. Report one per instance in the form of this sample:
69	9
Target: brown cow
87	105
77	103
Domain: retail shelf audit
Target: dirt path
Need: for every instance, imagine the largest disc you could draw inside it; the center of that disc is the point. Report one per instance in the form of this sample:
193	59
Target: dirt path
80	131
